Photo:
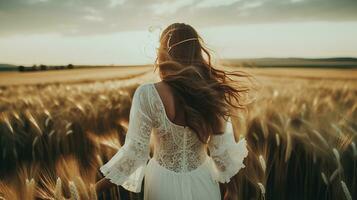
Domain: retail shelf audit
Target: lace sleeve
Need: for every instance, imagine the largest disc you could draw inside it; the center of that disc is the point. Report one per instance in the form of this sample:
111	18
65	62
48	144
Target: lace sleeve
127	166
227	155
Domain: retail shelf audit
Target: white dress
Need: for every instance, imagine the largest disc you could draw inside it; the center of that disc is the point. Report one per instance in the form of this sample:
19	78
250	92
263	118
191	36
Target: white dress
180	167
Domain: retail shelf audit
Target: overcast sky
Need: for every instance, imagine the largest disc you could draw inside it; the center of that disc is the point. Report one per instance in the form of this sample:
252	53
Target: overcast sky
126	31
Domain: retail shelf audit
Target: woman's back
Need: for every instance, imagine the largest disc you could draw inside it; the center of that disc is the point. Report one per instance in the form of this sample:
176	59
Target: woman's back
171	104
177	147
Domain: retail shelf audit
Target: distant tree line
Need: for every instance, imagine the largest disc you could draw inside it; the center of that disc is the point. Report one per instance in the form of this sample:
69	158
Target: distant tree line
22	68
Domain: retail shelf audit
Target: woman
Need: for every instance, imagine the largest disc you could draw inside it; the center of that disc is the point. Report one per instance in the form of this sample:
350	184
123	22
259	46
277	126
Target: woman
186	114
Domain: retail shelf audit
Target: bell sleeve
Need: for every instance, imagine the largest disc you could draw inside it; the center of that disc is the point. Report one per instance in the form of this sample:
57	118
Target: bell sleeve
127	166
227	155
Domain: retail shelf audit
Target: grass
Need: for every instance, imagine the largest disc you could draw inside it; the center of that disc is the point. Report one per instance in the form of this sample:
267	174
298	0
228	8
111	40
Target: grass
301	133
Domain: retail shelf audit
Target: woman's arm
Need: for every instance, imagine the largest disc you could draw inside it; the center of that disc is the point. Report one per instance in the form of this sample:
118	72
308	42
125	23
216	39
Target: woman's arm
127	166
226	154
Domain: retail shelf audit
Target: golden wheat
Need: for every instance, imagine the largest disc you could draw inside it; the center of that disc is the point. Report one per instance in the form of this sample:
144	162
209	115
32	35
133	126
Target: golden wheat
301	134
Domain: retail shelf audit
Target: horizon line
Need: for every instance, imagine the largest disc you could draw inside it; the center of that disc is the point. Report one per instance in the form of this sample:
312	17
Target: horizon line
222	59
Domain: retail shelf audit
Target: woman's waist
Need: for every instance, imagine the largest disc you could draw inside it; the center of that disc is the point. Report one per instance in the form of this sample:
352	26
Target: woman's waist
181	163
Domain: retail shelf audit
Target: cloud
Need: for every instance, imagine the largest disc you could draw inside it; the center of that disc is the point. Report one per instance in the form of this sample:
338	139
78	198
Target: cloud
296	1
93	18
115	3
91	10
109	16
170	7
37	1
215	3
250	5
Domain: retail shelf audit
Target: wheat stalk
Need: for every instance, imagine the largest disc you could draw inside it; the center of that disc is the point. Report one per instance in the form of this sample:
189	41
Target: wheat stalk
346	191
324	178
68	125
337	156
337	129
322	139
277	138
5	118
74	191
58	190
262	163
288	146
262	189
354	149
69	132
334	174
34	142
30	189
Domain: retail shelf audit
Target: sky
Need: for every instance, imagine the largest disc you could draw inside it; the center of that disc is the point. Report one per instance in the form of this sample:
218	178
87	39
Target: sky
127	31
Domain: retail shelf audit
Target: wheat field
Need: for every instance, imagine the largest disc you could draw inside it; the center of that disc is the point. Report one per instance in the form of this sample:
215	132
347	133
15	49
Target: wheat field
301	130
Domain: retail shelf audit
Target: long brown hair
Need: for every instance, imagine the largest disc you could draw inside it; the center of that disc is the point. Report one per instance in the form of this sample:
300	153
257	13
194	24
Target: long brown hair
205	93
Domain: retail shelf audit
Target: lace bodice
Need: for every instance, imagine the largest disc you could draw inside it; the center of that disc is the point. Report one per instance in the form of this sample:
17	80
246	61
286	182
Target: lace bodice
177	148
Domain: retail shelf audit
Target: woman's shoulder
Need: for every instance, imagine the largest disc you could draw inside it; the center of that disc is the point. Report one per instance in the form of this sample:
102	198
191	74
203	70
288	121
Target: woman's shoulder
143	87
144	90
150	85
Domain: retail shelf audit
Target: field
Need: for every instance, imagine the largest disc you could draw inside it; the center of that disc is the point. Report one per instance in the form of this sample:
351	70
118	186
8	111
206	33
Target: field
58	127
